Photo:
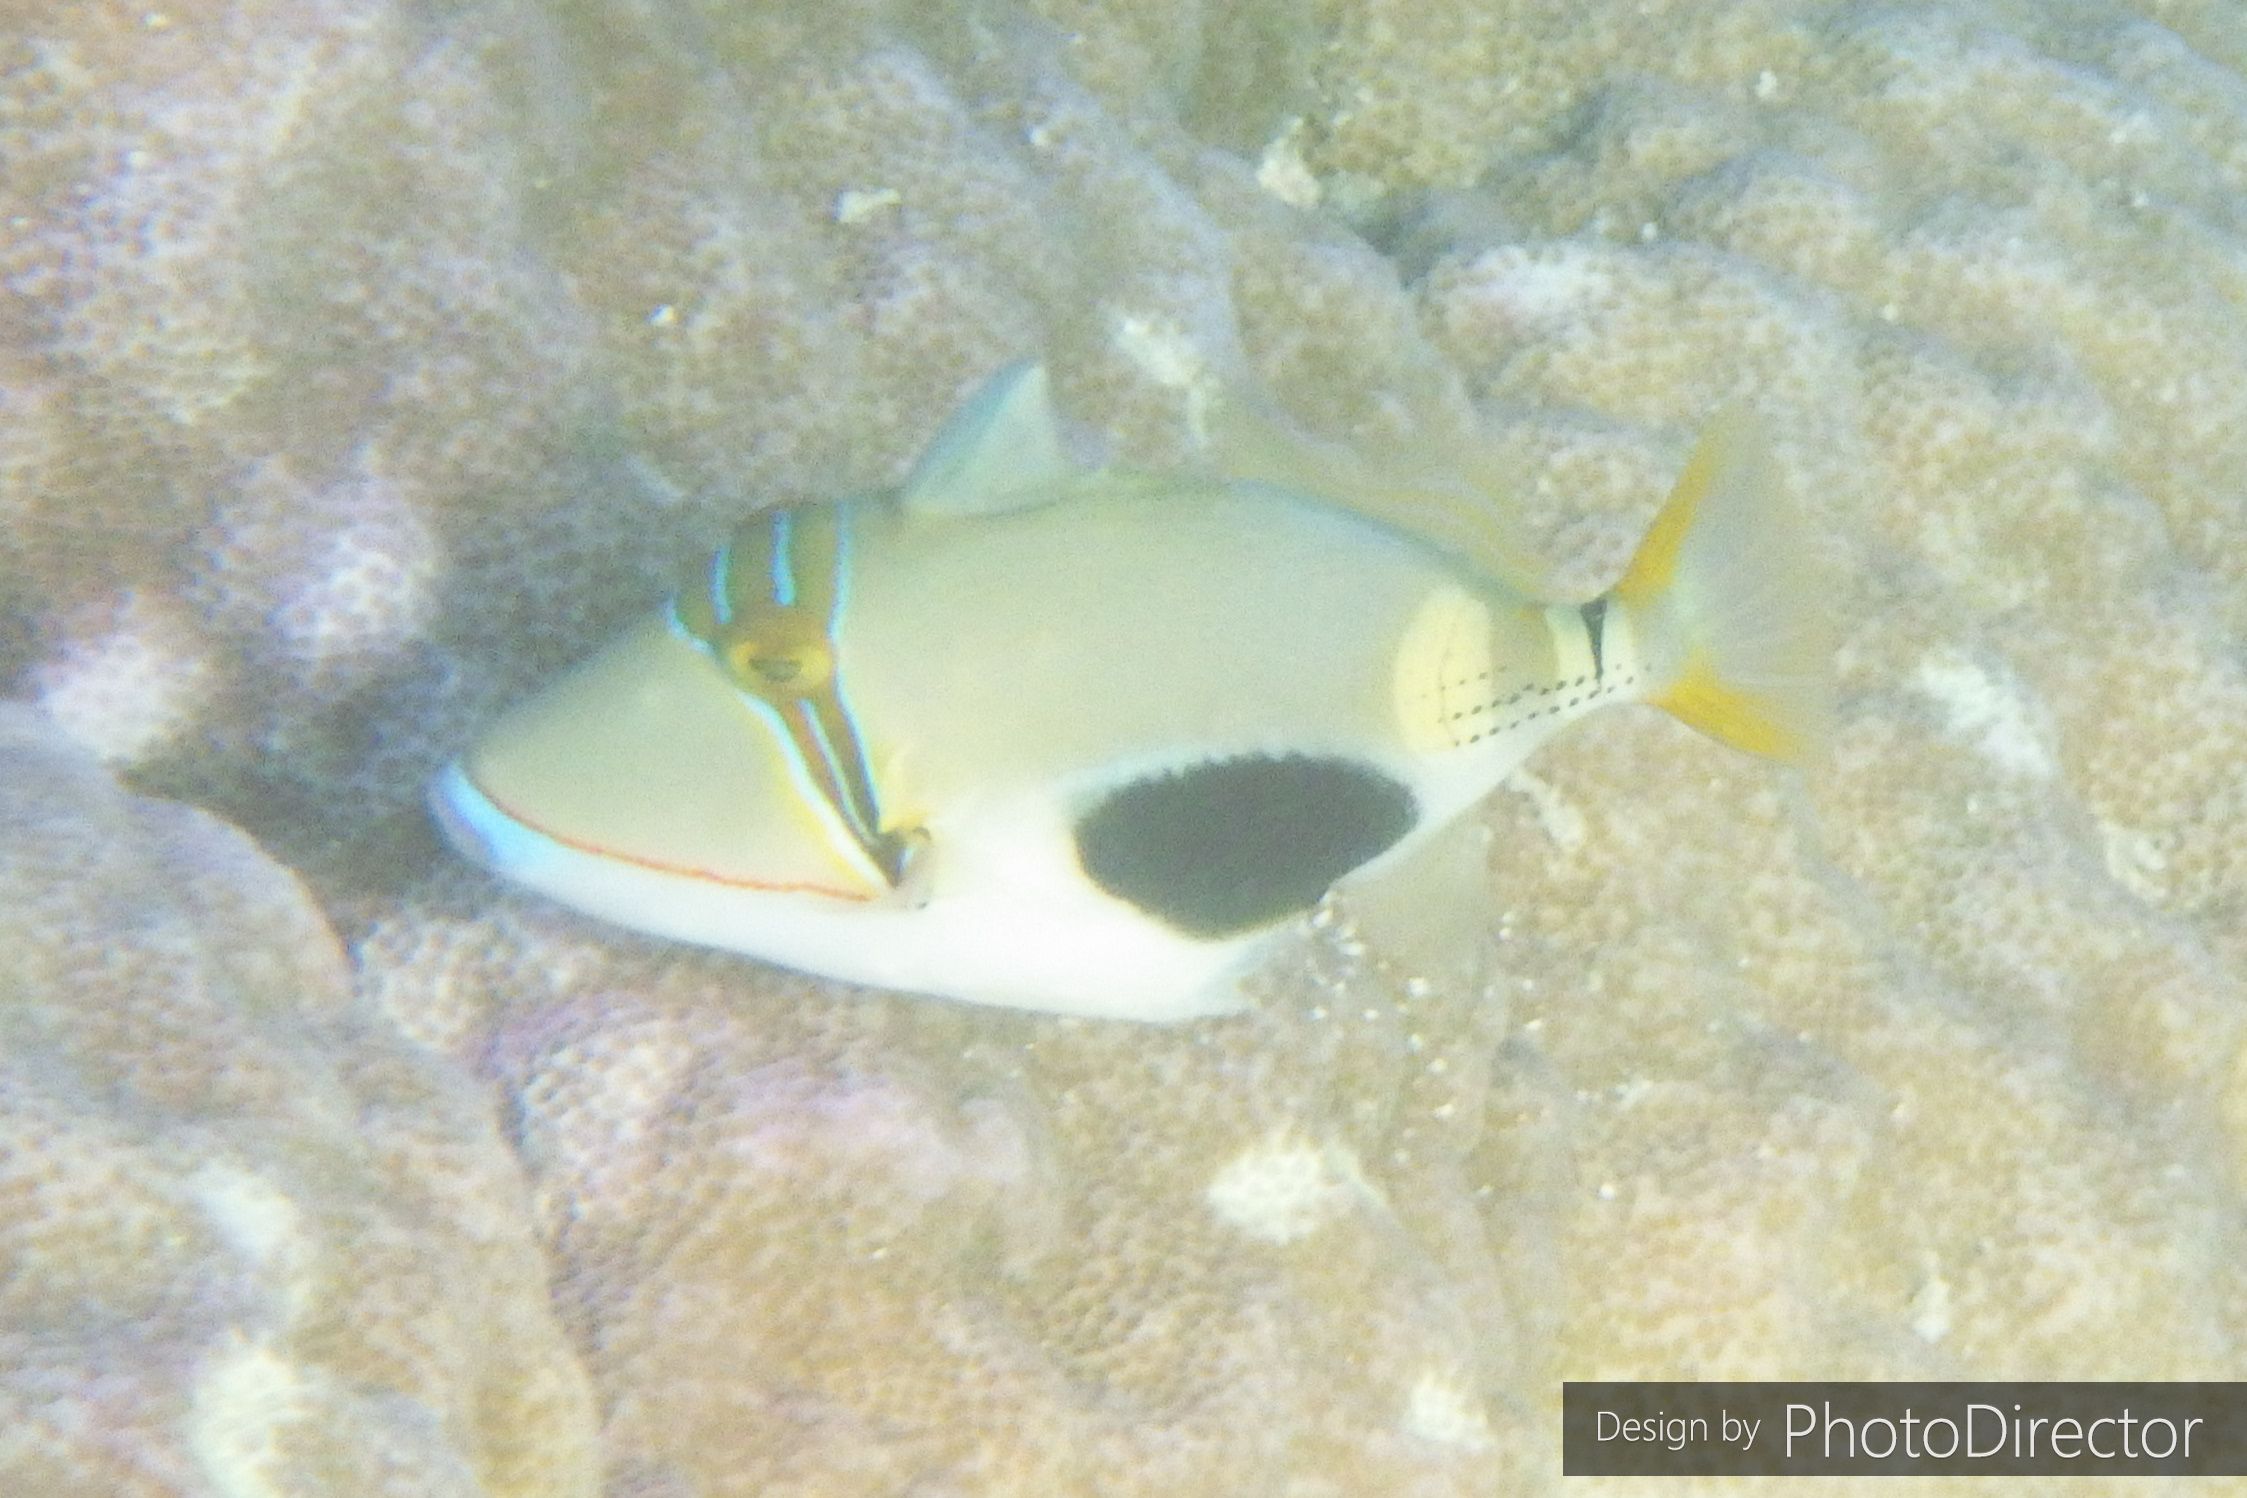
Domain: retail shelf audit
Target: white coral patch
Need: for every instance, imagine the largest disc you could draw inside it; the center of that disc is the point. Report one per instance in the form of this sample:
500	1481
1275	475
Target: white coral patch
1931	1305
856	204
122	693
1284	173
244	1404
1560	818
591	1120
263	1225
1441	1412
1166	353
370	589
795	1123
2136	861
1284	1189
1987	711
1536	292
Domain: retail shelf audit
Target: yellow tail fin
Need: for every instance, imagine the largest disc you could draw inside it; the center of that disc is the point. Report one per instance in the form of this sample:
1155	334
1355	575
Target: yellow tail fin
1723	600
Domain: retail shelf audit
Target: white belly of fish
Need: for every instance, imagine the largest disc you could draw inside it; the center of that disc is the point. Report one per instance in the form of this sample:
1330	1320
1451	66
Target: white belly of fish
1009	920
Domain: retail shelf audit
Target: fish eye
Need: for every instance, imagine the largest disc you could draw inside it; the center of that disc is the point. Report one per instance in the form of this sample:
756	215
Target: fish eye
778	669
780	652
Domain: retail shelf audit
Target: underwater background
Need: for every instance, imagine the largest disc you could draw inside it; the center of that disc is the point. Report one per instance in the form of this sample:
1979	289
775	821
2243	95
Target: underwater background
362	363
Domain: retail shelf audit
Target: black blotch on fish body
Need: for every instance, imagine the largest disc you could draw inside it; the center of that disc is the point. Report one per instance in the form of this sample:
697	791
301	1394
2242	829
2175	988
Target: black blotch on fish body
1223	847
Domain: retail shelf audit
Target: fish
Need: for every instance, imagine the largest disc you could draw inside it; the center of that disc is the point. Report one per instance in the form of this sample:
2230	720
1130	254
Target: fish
1082	739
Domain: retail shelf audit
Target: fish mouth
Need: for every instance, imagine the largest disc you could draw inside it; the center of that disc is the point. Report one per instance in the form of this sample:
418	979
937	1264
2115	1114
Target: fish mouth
501	838
644	767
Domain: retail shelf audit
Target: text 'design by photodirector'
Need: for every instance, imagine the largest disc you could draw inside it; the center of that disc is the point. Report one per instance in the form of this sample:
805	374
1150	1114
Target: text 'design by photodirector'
1948	1429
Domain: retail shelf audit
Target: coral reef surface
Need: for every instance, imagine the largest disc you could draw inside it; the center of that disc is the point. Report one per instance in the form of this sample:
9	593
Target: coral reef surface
360	364
251	1239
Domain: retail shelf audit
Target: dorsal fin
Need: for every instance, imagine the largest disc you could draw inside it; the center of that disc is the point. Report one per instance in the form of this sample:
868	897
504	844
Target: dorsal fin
1000	451
1431	495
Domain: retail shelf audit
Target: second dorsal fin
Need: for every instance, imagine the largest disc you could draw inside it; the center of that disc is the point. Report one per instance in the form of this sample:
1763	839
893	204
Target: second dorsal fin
1000	451
1430	489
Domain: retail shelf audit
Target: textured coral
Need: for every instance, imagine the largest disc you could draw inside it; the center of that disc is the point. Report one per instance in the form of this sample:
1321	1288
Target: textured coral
360	364
250	1241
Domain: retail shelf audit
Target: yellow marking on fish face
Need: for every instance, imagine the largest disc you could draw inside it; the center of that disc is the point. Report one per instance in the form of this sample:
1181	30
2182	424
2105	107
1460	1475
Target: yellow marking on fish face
775	648
766	608
778	652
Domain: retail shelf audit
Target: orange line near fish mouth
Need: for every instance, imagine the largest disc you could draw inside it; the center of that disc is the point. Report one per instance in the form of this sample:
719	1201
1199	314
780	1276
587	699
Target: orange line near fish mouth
656	865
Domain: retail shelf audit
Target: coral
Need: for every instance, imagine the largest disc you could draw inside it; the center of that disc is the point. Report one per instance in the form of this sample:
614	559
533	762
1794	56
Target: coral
250	1240
361	364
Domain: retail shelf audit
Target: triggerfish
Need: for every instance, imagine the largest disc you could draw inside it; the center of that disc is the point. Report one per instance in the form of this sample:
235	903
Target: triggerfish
1078	739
